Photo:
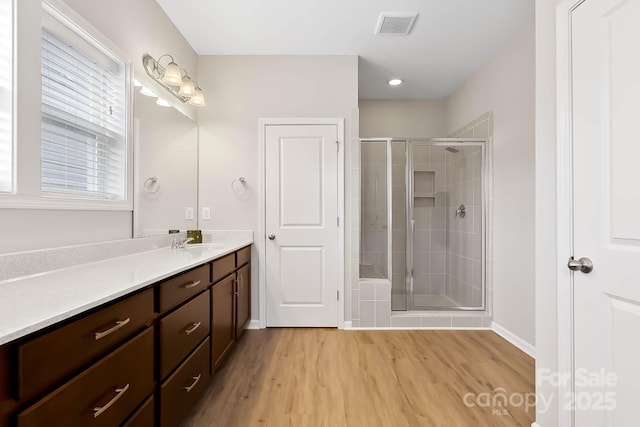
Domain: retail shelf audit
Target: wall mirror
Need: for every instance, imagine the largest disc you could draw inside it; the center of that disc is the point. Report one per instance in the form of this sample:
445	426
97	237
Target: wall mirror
165	168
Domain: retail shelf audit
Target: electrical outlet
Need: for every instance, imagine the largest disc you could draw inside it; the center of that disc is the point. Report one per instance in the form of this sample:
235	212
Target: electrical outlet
188	212
206	213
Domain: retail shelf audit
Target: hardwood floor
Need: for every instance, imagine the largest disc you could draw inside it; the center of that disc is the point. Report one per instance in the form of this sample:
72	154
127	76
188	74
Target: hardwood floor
330	377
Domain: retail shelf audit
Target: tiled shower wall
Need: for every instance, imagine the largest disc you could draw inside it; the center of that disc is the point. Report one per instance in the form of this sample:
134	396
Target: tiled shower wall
464	254
374	210
429	198
399	226
464	234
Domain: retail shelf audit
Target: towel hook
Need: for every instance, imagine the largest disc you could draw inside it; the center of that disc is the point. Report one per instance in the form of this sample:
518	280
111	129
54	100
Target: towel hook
151	185
243	183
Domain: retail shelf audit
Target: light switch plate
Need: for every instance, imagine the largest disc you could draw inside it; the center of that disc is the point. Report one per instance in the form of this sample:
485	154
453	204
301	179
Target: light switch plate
206	213
188	212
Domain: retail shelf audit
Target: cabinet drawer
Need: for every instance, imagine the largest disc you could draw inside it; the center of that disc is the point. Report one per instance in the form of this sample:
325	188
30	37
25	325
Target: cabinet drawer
103	395
181	331
50	358
222	267
144	416
182	389
182	287
244	256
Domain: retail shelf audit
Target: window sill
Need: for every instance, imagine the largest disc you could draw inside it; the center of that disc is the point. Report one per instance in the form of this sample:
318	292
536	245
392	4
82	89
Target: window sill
15	201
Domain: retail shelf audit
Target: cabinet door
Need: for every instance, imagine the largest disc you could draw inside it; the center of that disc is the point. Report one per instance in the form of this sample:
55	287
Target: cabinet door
7	404
243	305
222	319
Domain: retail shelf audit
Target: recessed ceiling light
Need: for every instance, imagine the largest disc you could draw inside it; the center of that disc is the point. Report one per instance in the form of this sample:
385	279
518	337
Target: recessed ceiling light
395	82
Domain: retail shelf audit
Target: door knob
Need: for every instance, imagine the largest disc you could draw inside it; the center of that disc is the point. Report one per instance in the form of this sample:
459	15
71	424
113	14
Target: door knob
271	236
583	264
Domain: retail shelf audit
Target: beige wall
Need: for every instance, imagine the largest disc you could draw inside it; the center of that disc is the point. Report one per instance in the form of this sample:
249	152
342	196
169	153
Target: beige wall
243	89
402	118
506	85
135	27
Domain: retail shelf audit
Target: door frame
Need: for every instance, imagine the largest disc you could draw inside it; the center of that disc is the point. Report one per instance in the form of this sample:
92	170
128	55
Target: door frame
564	214
260	238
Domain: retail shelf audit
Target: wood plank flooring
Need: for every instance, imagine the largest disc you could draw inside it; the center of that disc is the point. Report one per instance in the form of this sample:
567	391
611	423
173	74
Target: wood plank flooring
330	377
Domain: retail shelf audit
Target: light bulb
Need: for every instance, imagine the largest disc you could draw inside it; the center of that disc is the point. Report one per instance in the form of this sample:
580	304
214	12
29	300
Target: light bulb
172	74
198	98
187	88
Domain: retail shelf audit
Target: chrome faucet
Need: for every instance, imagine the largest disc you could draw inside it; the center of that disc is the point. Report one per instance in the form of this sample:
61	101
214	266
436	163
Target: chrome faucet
181	242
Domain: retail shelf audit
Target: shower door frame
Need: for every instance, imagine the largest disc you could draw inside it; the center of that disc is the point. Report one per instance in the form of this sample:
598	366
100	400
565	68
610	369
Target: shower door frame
410	222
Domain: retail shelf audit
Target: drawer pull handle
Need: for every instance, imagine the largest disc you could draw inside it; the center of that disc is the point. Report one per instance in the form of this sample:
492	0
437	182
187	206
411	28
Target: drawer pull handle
193	328
119	324
99	410
192	284
193	384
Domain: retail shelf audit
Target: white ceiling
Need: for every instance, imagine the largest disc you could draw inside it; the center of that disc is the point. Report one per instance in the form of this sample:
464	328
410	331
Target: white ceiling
450	38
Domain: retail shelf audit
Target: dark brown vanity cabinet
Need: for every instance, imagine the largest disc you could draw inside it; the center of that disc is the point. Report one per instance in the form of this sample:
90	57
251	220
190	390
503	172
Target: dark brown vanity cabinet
7	404
222	319
74	346
230	302
106	394
243	297
142	360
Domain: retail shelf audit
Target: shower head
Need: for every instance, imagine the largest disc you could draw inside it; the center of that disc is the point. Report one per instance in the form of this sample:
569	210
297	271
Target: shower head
451	149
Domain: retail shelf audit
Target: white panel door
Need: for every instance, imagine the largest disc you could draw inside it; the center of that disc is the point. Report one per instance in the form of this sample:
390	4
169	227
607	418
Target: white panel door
606	156
301	225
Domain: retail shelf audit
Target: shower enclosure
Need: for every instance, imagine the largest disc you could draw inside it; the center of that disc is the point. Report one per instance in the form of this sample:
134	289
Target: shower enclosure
423	221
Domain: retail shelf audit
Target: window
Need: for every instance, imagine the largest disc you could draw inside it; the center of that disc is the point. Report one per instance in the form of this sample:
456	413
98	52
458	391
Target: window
6	74
84	111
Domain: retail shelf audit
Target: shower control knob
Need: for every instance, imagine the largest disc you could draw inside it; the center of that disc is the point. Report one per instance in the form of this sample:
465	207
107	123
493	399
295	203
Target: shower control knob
271	236
583	264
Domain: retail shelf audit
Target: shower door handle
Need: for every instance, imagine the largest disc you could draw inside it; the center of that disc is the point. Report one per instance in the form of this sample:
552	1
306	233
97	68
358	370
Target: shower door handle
413	225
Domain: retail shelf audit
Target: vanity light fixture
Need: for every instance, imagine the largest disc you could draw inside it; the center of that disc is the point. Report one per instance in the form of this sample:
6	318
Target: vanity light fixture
174	79
395	82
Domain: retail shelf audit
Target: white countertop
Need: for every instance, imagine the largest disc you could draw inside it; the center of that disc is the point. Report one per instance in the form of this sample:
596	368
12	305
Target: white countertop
31	303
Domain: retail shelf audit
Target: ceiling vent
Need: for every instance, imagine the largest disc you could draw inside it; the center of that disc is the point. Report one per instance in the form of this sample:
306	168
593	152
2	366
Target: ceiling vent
395	23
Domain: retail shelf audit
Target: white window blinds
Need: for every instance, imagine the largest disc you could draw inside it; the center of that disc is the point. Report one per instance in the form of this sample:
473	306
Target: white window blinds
83	120
6	74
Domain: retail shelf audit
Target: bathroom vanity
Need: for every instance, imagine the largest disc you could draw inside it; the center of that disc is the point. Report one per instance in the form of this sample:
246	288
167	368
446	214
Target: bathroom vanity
128	341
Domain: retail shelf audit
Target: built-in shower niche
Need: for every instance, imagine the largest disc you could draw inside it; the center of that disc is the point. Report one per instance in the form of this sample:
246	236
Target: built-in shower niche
424	188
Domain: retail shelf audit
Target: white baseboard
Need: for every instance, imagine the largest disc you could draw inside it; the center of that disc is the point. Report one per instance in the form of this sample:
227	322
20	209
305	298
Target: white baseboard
348	324
514	339
254	324
535	425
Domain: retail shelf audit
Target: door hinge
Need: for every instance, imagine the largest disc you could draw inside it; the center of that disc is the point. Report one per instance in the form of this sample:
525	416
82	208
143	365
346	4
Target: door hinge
338	295
338	221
